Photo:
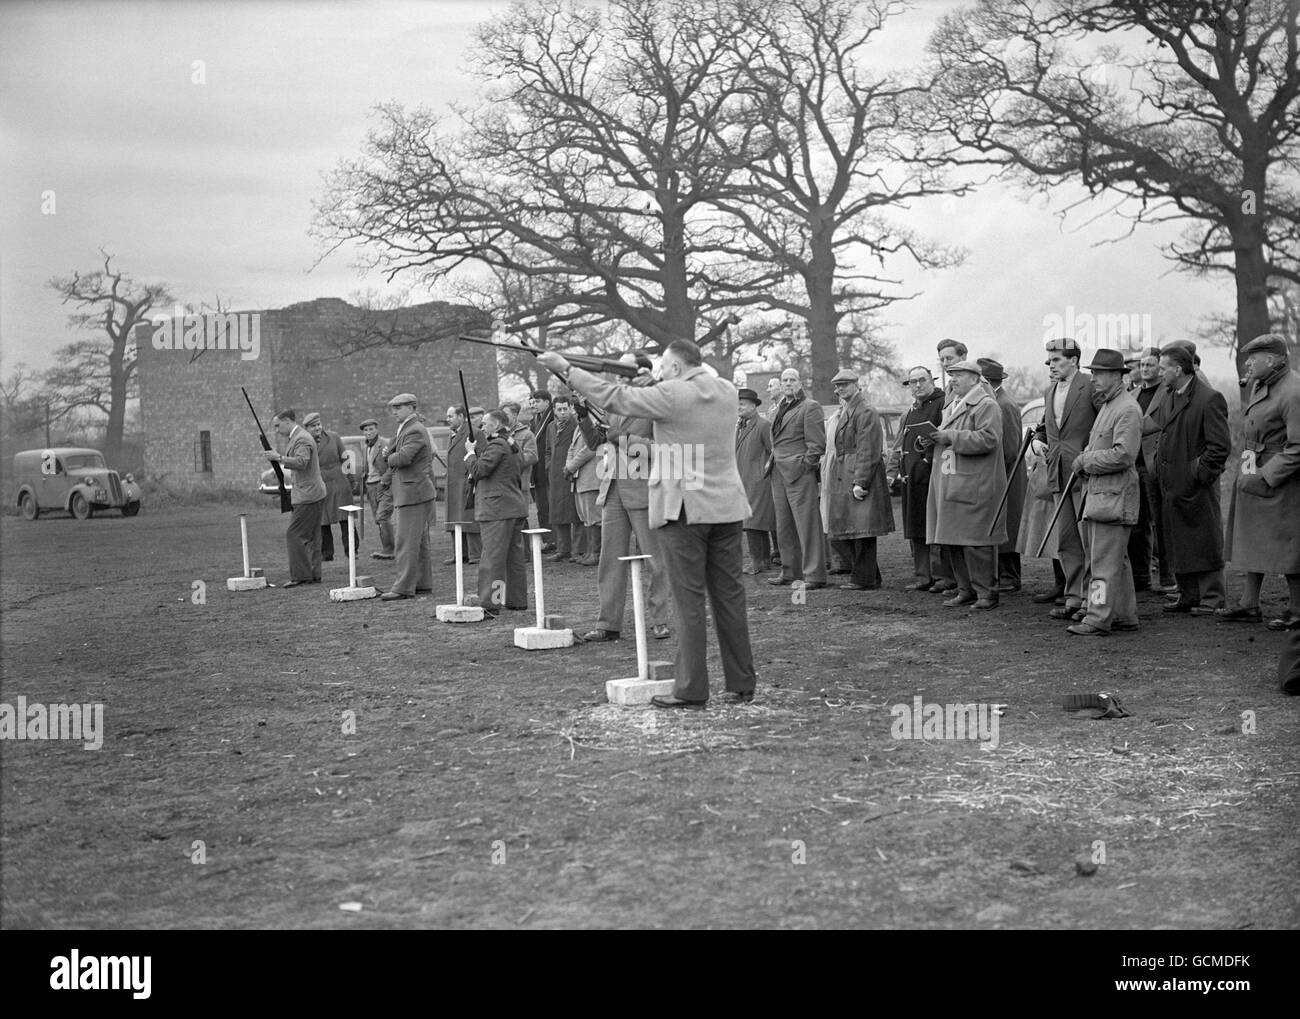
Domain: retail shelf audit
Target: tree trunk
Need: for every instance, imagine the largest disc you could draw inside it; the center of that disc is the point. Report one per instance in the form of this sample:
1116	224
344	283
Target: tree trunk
822	321
1252	297
117	404
679	315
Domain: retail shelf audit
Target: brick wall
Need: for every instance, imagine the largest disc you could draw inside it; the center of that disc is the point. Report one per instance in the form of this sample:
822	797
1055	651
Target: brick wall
308	360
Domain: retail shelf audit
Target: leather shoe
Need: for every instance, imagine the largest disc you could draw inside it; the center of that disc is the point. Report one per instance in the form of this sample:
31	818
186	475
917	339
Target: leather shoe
814	585
388	555
920	585
1062	612
597	636
1087	630
779	581
548	546
424	590
1080	615
1008	588
557	558
1047	598
984	603
959	599
394	596
295	583
1124	626
854	587
661	631
1177	606
1287	622
740	696
839	571
942	587
1241	614
675	702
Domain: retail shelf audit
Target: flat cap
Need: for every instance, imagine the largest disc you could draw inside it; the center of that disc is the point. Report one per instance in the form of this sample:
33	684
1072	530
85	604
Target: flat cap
1266	343
368	422
964	366
1065	344
991	369
402	398
311	419
845	375
476	410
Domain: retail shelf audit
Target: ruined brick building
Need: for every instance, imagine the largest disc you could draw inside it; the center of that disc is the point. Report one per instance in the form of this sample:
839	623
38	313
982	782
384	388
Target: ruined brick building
324	355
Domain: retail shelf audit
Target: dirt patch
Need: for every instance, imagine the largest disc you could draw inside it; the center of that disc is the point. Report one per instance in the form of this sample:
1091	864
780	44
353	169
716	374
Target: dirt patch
315	754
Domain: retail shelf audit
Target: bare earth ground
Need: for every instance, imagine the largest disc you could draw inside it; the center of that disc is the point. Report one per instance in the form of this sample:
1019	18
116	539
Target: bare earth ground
487	786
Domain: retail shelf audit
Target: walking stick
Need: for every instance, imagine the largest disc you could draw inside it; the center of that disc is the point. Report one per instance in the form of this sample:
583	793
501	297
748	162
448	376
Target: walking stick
1056	516
1015	466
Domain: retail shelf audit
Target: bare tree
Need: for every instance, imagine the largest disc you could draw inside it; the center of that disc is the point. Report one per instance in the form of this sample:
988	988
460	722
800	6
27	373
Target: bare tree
837	146
1189	113
592	163
100	373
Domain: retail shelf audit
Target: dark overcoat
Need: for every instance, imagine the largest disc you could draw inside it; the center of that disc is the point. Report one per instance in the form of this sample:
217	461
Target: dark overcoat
338	491
1013	464
458	493
753	448
559	437
859	460
496	470
914	463
1190	456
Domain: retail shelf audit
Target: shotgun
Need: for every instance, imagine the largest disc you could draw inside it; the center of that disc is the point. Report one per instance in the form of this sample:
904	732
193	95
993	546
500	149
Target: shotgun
584	361
1065	497
286	500
469	482
1015	466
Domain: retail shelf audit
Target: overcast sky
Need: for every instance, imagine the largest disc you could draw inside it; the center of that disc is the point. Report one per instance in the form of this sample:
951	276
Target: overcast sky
209	187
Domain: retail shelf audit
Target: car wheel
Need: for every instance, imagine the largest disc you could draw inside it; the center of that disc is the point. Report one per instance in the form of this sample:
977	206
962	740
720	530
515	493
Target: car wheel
130	509
30	510
80	508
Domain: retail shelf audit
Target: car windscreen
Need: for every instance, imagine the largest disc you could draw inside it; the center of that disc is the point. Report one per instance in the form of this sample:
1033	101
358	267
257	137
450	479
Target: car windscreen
81	461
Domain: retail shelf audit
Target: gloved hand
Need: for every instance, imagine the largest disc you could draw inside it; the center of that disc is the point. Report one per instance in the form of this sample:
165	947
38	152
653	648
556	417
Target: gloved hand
582	410
1256	485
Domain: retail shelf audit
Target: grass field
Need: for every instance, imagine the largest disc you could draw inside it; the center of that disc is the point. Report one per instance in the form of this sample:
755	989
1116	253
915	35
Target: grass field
485	786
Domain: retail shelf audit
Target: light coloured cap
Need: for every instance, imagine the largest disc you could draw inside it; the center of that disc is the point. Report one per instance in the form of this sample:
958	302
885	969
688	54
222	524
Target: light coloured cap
845	375
402	398
964	366
311	419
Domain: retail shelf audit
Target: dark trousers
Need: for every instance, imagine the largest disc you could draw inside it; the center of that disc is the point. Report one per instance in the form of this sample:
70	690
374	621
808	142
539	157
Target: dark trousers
1288	665
921	560
502	580
1009	569
327	540
303	541
941	564
707	558
760	549
1204	588
542	500
976	567
1139	539
859	555
383	517
414	558
1155	506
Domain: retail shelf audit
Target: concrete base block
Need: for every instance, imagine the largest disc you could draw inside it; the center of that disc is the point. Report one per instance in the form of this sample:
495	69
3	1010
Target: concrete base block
245	583
629	692
365	580
459	613
353	593
662	670
553	622
255	571
538	638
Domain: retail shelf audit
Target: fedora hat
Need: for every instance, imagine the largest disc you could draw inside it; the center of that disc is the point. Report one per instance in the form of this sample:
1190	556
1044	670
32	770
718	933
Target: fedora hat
1108	361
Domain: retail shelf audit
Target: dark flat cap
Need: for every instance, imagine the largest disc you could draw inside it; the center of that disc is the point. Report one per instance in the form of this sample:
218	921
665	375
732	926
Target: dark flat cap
991	369
1266	343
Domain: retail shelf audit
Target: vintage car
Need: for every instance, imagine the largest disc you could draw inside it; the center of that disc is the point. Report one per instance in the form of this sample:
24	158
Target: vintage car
74	479
354	455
